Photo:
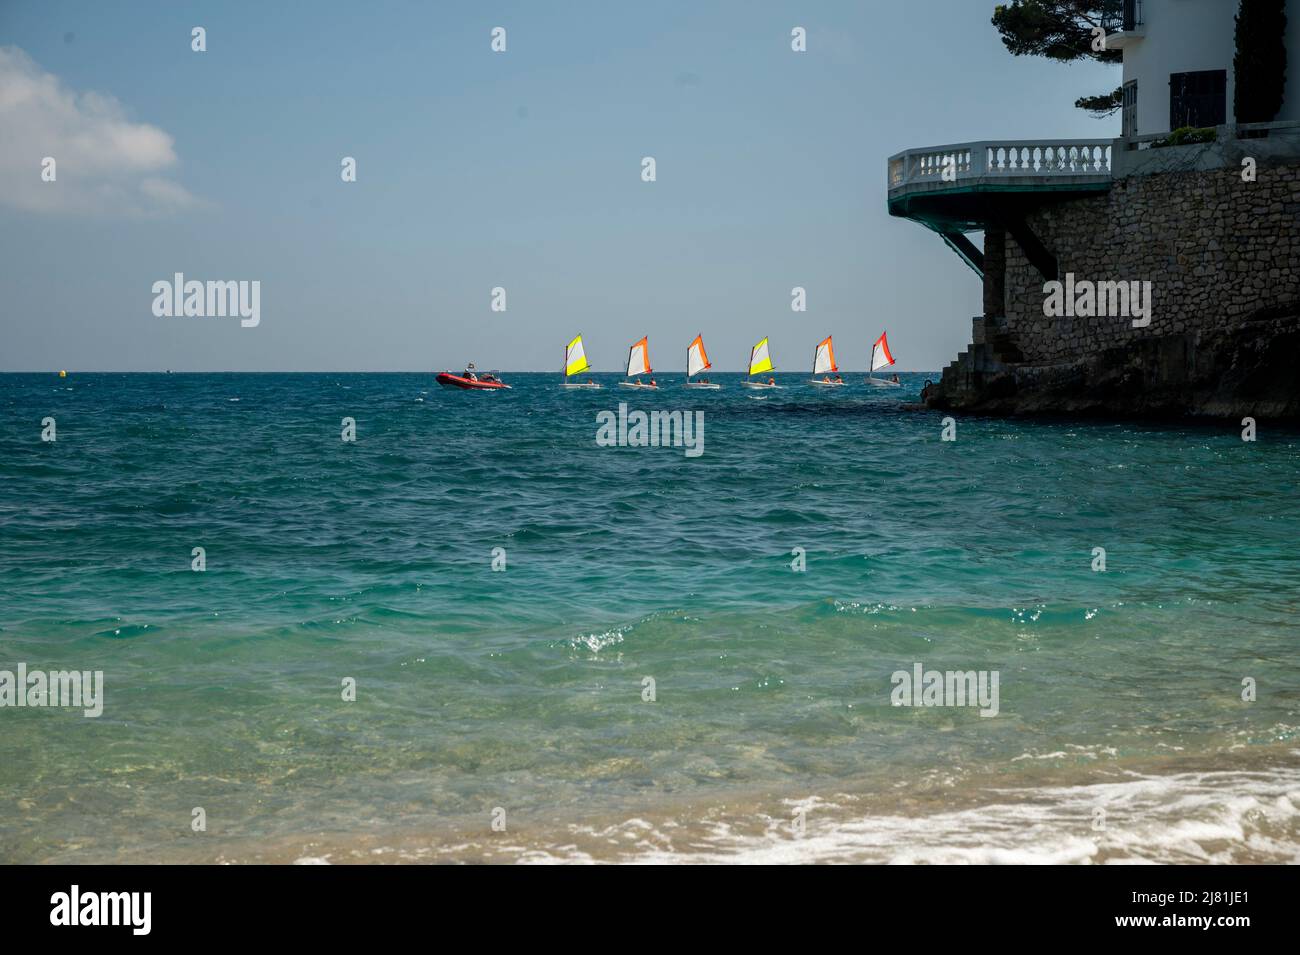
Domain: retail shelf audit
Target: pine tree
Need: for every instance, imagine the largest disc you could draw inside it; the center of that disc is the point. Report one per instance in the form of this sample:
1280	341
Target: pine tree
1064	30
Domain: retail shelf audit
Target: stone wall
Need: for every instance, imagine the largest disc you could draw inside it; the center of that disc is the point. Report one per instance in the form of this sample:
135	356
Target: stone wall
1223	257
1215	248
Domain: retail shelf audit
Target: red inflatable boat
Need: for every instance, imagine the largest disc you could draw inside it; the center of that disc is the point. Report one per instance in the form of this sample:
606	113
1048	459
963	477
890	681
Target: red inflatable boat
483	382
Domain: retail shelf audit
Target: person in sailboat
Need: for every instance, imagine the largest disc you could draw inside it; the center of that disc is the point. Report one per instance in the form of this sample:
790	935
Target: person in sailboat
895	380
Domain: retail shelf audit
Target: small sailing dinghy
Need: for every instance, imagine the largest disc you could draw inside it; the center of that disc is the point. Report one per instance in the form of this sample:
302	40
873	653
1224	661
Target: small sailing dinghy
638	364
697	360
575	362
824	365
760	361
881	358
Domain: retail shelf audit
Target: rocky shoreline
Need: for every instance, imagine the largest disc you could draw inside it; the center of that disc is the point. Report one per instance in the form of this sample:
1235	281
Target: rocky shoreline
1249	369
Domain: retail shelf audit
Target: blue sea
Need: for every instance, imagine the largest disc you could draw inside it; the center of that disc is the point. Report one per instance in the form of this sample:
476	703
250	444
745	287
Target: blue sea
563	651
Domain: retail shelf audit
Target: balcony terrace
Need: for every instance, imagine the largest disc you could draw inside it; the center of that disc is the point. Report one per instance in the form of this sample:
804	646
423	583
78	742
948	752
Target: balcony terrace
968	187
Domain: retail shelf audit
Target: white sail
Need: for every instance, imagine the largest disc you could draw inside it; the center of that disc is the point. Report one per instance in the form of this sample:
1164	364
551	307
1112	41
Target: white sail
696	359
824	360
575	359
759	359
880	356
638	359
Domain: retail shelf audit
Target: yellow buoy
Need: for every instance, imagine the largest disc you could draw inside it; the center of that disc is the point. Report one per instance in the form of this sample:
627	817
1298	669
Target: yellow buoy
63	374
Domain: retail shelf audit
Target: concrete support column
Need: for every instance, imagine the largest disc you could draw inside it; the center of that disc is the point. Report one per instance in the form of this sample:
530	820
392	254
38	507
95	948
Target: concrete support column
995	271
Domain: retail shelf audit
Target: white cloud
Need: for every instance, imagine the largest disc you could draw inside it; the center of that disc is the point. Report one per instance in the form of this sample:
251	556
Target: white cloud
104	162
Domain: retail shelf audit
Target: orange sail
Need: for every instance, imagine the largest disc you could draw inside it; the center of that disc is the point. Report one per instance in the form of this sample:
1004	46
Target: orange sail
824	357
638	358
880	356
697	359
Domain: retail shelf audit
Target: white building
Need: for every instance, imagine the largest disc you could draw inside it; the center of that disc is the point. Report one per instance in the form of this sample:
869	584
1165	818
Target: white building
1178	64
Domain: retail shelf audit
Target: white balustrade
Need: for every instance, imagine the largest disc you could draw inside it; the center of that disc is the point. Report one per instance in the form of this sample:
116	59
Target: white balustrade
1039	159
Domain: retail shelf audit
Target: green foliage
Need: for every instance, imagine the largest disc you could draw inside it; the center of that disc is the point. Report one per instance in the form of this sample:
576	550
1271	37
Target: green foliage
1057	29
1260	60
1062	30
1188	136
1103	104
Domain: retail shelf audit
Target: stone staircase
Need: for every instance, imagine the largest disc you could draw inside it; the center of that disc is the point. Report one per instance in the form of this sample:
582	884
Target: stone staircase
983	366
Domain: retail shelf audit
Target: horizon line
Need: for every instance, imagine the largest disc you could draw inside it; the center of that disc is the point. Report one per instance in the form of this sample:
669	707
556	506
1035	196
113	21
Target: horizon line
374	371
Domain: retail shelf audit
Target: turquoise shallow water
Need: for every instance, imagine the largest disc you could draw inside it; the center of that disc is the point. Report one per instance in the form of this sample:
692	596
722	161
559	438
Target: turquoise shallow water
522	689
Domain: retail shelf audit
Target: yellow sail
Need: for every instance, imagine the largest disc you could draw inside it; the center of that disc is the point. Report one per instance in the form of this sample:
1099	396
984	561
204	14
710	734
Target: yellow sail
575	359
759	359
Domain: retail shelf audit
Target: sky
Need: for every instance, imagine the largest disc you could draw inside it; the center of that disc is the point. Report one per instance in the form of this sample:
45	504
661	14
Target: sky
478	169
